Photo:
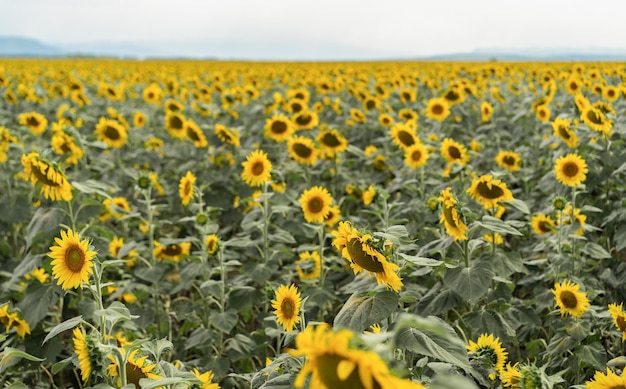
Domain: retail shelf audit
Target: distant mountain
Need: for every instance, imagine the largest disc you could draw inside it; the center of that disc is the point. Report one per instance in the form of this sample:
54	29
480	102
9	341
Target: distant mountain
534	54
26	47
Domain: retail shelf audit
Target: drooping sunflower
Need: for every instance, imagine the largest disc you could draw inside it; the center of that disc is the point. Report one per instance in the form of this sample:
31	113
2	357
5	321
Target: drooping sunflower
415	156
195	134
542	224
111	132
595	119
54	184
331	362
305	120
315	203
185	187
510	376
569	300
36	122
403	136
486	110
563	132
488	191
256	169
331	142
450	215
10	97
509	160
212	243
136	368
488	350
582	103
174	251
367	196
302	150
453	152
231	136
64	144
619	318
360	251
309	265
82	350
610	380
438	109
279	128
287	306
72	260
333	216
570	170
12	319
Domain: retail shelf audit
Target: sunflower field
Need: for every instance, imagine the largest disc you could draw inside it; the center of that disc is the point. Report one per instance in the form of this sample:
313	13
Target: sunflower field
198	224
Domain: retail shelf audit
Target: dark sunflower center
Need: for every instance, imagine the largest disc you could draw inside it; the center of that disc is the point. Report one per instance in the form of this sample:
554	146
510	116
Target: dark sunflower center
509	160
191	133
416	156
278	127
452	96
621	323
258	168
176	123
287	308
406	96
32	121
327	365
150	95
570	169
74	258
573	86
65	147
134	374
187	189
304	120
39	171
406	138
544	226
454	152
568	299
407	116
363	259
315	205
111	133
447	215
386	120
437	109
593	117
370	104
330	140
173	107
610	93
302	150
172	250
299	95
226	135
493	192
542	112
564	132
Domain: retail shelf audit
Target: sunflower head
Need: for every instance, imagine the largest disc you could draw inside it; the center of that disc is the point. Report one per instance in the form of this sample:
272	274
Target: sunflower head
570	170
186	187
279	128
569	299
488	352
72	260
451	216
212	244
287	306
315	203
438	109
416	155
302	150
488	191
256	169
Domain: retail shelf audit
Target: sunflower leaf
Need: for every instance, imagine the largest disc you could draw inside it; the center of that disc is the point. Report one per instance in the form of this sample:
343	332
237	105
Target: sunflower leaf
496	225
225	321
66	325
11	355
359	312
471	283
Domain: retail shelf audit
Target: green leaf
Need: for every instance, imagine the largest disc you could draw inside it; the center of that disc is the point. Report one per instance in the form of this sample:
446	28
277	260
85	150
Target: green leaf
43	221
17	385
93	186
420	261
452	382
243	296
519	205
115	313
10	356
225	321
595	251
594	355
496	225
57	367
147	383
37	303
358	313
66	325
284	381
470	283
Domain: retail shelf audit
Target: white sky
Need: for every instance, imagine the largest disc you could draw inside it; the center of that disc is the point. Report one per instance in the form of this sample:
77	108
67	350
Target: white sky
393	27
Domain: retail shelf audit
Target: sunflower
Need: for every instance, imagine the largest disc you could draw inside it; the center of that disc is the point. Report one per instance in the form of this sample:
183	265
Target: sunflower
450	216
287	306
438	109
331	362
610	93
358	115
604	107
139	119
489	192
572	85
185	188
542	224
256	169
36	122
309	265
279	128
12	319
407	95
569	300
563	132
403	136
175	124
509	160
610	380
205	379
82	350
300	94
570	170
173	105
619	318
305	120
360	251
80	98
115	247
511	376
212	243
227	136
10	97
315	203
408	115
174	251
111	132
115	207
153	144
596	120
416	155
153	94
295	105
453	152
543	113
54	184
333	216
331	142
486	110
488	351
137	368
72	260
302	150
568	217
385	120
195	134
582	103
64	144
454	95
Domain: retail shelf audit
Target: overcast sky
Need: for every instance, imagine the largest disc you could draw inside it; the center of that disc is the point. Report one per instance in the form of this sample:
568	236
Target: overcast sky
382	28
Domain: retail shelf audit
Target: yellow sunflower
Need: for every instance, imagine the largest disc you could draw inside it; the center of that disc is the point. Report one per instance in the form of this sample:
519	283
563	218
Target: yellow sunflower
279	128
72	260
64	144
403	136
333	217
407	95
509	160
385	120
212	243
408	115
153	94
489	192
309	265
489	352
10	97
510	376
11	319
315	203
367	196
486	110
438	109
572	85
54	184
570	170
139	119
174	251
332	364
543	113
357	115
36	122
185	187
116	207
136	368
305	120
619	318
359	250
111	132
453	152
450	216
256	169
153	144
82	350
302	150
569	300
542	224
611	93
416	155
115	247
595	119
175	124
610	380
195	134
564	132
231	136
287	306
331	142
569	217
205	379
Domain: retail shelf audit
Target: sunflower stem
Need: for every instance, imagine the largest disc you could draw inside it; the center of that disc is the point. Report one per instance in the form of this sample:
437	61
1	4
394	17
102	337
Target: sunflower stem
320	249
149	210
266	223
98	297
220	258
558	231
466	253
70	214
493	233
